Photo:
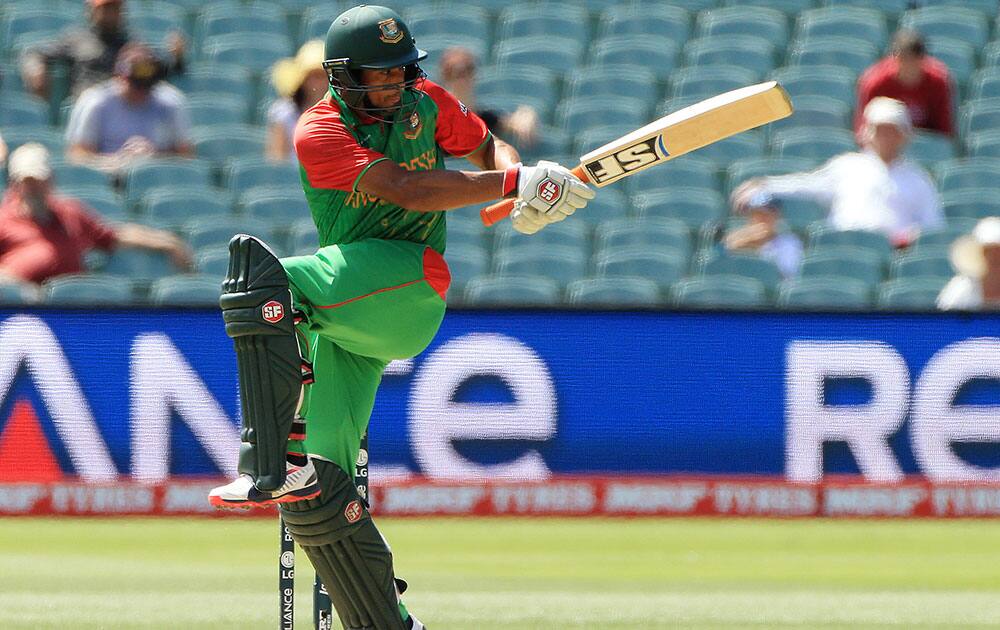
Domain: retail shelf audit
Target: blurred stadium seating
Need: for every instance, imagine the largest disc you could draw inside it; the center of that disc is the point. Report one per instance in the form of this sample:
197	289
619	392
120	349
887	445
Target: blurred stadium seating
645	241
719	291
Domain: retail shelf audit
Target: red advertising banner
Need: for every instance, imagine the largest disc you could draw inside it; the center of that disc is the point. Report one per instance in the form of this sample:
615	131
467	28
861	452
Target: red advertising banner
561	496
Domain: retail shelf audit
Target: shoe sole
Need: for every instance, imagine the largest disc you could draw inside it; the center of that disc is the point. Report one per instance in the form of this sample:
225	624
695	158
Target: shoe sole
291	497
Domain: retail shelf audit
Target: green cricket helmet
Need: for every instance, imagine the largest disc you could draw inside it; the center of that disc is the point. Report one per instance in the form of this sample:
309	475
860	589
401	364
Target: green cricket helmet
370	37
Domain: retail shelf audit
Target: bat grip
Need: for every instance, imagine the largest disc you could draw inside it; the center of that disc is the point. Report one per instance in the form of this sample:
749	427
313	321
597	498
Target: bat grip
495	213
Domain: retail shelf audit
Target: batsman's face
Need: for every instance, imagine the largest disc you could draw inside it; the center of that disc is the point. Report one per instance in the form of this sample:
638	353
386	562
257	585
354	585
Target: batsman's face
391	78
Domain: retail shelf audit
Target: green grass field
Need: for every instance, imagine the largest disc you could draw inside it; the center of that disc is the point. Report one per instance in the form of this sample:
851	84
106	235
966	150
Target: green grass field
518	574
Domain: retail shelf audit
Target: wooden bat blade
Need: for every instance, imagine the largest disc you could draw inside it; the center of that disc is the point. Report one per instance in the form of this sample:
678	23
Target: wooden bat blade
686	130
675	134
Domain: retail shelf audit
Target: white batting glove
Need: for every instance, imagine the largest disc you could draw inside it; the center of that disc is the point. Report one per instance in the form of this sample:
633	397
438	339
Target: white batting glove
551	189
527	220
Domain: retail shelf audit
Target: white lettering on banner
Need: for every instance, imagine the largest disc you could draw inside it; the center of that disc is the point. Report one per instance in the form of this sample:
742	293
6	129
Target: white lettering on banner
653	498
430	499
187	498
20	498
859	501
436	420
865	428
119	499
936	422
388	473
761	499
28	341
547	499
163	380
966	501
399	367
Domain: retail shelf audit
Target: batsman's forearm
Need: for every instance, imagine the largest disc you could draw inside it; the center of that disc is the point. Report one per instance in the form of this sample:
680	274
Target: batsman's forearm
433	191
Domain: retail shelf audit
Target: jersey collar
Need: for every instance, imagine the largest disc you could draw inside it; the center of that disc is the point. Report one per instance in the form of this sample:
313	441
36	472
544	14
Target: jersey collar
346	113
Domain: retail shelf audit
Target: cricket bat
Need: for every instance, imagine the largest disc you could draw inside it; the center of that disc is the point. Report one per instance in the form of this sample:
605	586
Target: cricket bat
673	135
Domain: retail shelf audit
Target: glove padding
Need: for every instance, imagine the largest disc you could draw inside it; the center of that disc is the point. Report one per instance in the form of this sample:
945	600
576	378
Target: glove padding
527	220
551	189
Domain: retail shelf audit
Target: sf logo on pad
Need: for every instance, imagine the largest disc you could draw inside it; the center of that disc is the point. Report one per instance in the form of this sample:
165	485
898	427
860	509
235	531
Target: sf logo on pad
549	190
273	312
353	512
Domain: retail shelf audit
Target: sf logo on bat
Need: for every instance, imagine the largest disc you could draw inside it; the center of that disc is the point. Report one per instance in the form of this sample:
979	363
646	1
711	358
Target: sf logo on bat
612	167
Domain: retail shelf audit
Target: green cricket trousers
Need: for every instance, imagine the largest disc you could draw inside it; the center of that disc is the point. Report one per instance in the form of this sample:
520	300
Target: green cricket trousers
365	304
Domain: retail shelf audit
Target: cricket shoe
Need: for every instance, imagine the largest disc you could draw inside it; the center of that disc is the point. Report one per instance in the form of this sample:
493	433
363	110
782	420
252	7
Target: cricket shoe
414	624
300	483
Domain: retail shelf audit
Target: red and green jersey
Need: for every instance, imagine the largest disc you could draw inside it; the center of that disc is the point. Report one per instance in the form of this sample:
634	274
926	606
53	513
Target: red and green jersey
335	149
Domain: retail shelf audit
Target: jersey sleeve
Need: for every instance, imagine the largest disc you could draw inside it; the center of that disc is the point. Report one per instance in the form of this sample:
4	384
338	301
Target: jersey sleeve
459	130
329	154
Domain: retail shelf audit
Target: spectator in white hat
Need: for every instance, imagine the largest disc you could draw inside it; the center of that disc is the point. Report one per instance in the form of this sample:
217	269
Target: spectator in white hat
875	189
976	258
43	234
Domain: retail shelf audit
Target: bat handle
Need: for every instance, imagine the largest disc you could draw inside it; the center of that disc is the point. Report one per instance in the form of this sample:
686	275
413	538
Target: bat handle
495	213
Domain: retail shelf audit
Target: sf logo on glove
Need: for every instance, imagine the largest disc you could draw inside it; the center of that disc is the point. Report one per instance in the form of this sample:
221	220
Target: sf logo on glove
548	190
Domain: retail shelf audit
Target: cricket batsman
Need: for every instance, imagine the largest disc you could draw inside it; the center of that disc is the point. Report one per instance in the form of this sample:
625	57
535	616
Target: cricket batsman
313	334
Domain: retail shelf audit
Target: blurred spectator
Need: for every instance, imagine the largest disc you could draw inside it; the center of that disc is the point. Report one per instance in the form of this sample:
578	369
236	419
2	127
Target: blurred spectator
91	51
132	116
3	153
976	258
765	236
876	189
458	76
43	235
910	75
300	82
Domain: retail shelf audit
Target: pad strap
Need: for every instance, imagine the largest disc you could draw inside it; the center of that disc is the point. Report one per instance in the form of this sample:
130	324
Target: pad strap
298	430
